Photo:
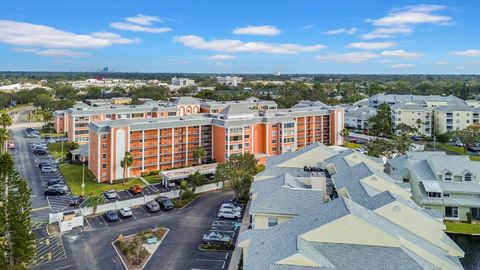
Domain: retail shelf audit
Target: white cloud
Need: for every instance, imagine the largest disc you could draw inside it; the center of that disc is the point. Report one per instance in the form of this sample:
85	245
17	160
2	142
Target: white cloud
441	63
308	26
263	30
143	19
349	31
24	50
402	54
383	32
221	57
371	45
413	15
138	28
402	66
114	38
27	34
236	46
61	53
353	57
467	53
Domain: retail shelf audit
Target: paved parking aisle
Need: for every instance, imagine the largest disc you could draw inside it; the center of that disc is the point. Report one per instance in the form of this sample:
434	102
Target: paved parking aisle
49	249
211	260
97	222
58	203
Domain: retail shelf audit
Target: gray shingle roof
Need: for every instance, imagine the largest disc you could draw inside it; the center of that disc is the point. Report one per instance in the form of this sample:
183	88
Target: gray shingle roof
288	201
237	109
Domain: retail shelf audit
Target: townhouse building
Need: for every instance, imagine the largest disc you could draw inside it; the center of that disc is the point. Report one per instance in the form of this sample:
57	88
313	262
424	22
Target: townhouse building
447	184
372	223
169	142
453	118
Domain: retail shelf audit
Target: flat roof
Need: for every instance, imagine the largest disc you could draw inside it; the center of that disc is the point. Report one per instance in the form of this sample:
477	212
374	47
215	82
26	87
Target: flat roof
185	172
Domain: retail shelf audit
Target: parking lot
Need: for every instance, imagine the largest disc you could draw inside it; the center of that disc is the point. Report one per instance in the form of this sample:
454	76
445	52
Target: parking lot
49	248
99	221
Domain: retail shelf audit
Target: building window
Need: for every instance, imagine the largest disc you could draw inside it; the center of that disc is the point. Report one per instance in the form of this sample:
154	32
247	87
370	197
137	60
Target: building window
451	212
434	194
289	125
104	165
272	221
104	156
104	145
447	176
104	136
274	149
467	177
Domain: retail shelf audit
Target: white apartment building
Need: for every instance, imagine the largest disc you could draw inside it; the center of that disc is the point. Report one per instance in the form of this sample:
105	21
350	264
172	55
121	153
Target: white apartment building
357	118
182	82
415	116
452	118
229	80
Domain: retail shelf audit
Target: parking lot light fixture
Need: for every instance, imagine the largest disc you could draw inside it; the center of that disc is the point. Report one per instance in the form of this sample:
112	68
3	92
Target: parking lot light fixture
83	178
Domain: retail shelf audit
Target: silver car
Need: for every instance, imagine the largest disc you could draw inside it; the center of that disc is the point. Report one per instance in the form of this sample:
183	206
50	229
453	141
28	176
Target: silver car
110	194
216	237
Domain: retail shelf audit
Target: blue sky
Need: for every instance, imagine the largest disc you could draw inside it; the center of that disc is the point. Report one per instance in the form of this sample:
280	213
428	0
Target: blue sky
241	36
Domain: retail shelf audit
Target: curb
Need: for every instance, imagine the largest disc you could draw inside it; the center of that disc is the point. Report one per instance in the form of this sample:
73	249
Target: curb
149	257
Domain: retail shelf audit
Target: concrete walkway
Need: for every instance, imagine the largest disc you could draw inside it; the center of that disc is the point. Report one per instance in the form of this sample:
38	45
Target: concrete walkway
237	252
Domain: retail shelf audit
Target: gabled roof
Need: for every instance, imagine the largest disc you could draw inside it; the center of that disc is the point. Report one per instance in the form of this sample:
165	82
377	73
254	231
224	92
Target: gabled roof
186	100
276	160
288	201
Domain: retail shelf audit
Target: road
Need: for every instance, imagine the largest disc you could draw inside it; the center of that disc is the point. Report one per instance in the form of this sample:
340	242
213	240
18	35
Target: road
92	248
24	159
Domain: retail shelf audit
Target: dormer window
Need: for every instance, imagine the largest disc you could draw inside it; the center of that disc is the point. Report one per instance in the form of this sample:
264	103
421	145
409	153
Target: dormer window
447	176
467	177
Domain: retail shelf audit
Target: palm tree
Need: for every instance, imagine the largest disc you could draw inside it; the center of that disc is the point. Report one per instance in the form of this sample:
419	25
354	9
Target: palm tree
126	162
199	153
4	136
345	133
5	120
94	201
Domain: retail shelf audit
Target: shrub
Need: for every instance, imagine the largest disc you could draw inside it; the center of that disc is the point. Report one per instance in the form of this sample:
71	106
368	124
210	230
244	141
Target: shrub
469	217
154	172
187	195
143	174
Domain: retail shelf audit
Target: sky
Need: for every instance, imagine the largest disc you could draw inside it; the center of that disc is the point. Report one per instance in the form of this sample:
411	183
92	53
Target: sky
191	36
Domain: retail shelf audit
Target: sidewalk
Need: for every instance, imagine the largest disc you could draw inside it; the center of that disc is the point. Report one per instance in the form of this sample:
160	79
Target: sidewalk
237	253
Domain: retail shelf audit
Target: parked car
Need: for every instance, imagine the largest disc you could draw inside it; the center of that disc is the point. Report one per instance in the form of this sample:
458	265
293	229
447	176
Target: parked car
152	206
40	147
165	203
216	237
75	200
11	145
110	194
111	216
230	206
54	192
55	182
59	186
473	148
459	143
40	152
50	141
136	189
48	169
47	163
126	212
230	214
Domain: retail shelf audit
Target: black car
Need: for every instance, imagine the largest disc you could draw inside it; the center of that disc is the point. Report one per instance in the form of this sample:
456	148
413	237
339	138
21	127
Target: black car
111	216
47	163
165	203
40	152
75	200
54	182
54	192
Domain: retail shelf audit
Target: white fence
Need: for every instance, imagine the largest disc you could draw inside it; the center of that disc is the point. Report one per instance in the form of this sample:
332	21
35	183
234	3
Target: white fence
66	224
172	194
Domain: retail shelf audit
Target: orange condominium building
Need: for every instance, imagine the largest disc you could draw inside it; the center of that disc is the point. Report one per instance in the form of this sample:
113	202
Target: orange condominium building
170	142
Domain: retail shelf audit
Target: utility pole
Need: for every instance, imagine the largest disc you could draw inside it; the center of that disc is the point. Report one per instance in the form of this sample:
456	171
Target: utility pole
62	151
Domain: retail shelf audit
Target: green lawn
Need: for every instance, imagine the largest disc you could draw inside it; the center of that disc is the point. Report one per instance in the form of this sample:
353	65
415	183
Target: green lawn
153	179
73	177
352	145
13	109
53	134
56	150
461	227
458	150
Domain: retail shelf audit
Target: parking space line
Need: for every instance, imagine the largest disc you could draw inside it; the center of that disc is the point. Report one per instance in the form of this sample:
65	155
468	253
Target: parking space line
86	219
128	191
104	222
145	210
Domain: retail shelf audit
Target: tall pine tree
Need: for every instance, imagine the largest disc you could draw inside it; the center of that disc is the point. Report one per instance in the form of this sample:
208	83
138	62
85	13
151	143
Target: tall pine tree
17	242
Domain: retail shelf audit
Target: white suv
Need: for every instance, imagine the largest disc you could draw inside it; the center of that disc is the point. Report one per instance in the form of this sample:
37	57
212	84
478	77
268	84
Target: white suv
231	214
230	206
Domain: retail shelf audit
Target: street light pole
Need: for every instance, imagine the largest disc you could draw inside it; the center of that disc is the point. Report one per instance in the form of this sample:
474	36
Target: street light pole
62	151
83	178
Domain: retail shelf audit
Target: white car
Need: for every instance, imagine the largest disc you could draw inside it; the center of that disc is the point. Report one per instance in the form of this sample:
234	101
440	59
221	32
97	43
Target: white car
230	206
48	169
111	194
230	214
51	141
126	212
459	143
